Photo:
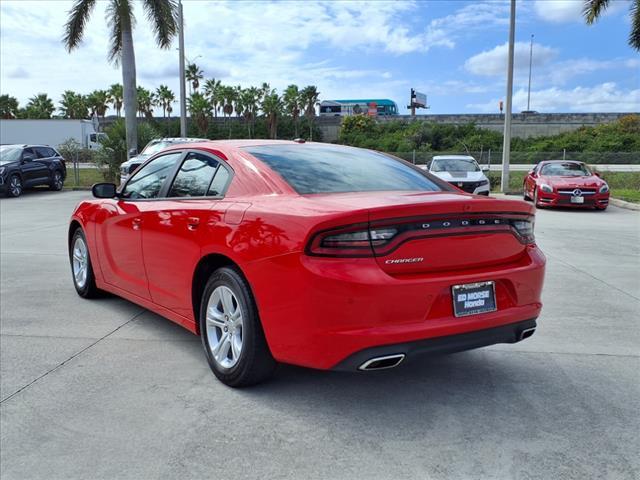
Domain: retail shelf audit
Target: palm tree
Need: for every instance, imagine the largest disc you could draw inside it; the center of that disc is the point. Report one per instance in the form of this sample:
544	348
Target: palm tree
309	97
163	15
115	97
227	95
193	74
8	106
39	106
212	92
200	110
594	8
164	98
73	105
292	104
249	98
98	101
272	109
145	102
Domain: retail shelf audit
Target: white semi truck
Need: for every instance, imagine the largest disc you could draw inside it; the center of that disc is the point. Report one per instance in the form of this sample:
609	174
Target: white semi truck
50	132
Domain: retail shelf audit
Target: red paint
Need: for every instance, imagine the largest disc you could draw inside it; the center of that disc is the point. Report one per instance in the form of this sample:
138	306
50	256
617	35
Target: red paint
315	310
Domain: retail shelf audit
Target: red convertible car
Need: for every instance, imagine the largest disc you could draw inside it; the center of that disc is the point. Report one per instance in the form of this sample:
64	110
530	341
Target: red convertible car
318	255
560	183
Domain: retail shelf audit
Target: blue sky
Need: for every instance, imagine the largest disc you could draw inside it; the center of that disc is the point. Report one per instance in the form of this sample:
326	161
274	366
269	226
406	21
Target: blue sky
455	52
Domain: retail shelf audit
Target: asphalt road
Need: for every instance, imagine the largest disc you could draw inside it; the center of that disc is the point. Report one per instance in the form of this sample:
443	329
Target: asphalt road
106	390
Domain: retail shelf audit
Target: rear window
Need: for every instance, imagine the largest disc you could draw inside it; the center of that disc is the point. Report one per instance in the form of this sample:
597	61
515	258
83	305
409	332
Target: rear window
310	168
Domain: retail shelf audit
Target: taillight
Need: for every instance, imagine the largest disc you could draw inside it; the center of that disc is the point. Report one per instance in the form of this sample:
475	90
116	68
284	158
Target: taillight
524	229
352	241
382	237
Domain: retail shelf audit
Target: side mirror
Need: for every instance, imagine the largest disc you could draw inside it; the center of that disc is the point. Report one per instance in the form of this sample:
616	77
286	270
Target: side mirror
597	174
28	157
485	168
104	190
133	152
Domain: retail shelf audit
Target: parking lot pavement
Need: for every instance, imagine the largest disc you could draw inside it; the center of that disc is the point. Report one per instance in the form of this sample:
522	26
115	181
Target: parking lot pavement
106	390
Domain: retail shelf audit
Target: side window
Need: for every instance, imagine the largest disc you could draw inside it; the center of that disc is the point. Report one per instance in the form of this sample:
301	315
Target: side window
147	182
52	152
219	182
29	152
194	177
42	152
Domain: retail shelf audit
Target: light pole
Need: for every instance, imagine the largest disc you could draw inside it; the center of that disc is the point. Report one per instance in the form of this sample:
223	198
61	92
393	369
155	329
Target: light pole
183	99
506	146
530	62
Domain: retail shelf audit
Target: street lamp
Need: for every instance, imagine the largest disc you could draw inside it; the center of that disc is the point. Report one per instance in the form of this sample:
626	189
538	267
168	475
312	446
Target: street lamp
506	146
183	94
530	61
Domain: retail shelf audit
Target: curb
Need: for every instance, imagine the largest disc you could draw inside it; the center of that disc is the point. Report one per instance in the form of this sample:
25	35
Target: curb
623	204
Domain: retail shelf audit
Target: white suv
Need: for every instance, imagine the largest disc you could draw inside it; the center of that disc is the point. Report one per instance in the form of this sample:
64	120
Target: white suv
461	171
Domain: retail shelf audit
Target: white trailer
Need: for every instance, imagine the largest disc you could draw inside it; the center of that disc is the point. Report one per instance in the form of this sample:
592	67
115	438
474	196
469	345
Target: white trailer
50	132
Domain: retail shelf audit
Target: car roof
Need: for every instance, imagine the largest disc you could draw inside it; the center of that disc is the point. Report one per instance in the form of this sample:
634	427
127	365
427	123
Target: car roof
453	157
560	161
26	145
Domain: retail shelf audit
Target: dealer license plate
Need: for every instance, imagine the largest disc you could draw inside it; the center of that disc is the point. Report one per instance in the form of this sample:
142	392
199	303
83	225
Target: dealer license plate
474	298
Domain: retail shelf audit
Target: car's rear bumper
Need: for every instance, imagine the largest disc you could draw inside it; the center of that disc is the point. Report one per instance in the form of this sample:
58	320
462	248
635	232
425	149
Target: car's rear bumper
317	312
402	352
598	200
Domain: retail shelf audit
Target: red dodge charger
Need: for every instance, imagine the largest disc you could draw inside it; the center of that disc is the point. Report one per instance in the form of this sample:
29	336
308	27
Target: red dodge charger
559	183
312	254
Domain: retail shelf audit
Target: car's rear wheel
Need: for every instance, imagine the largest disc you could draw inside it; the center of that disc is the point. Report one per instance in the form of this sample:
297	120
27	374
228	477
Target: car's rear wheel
57	181
81	268
231	332
14	189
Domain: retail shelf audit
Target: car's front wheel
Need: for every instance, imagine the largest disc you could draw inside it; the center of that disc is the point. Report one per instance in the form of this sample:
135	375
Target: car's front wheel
14	189
57	182
81	268
231	331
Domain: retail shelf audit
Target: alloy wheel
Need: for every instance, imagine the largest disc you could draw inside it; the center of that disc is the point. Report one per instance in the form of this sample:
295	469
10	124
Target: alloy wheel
80	262
15	185
57	181
224	322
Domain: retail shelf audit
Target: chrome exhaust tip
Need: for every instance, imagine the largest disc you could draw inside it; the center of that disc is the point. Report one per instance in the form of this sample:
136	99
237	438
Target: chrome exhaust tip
382	363
526	333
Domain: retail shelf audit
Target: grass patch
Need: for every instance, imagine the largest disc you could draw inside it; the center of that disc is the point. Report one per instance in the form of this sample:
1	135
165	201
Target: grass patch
88	176
626	194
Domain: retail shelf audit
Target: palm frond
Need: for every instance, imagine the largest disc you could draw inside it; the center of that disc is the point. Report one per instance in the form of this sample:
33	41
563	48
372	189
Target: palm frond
593	9
78	18
163	16
119	15
634	36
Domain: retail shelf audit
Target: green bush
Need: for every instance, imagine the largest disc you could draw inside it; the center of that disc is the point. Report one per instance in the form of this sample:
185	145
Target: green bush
114	147
617	142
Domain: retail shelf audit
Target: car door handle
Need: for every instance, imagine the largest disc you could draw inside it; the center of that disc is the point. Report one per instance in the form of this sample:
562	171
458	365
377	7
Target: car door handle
135	223
193	223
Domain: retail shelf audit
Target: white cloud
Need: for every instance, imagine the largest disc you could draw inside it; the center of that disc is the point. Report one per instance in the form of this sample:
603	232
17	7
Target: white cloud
606	97
564	11
494	62
559	11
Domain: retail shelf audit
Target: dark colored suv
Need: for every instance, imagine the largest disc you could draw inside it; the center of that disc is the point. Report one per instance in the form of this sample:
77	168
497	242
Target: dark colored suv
26	166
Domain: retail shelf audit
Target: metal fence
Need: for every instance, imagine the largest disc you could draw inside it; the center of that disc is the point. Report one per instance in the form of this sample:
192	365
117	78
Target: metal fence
488	157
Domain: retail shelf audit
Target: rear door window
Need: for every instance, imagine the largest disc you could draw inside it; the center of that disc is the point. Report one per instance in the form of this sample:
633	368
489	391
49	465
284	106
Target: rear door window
313	168
43	152
195	176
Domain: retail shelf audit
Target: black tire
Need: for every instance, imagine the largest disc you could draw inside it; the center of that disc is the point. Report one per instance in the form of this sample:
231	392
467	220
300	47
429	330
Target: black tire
88	289
525	197
255	363
535	197
57	182
14	186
